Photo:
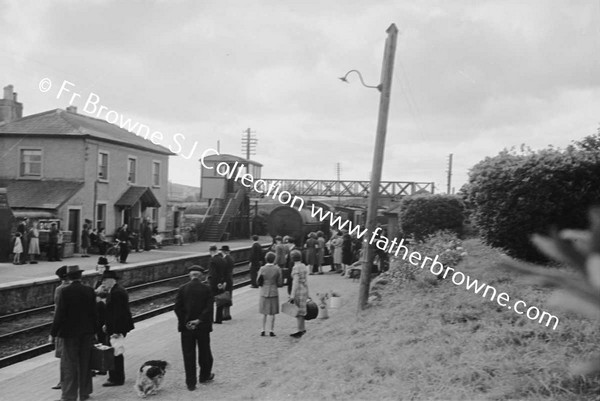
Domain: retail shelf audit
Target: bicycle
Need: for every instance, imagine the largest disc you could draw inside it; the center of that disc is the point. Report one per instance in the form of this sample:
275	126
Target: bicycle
113	253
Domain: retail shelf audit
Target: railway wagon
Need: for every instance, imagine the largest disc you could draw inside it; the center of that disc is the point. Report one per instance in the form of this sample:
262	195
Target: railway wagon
285	220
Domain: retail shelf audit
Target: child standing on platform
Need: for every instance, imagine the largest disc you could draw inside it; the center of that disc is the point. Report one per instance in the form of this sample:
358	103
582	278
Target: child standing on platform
17	249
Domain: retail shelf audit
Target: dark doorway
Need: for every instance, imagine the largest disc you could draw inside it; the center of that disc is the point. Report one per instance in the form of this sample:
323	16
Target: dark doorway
231	181
74	222
176	217
127	218
230	186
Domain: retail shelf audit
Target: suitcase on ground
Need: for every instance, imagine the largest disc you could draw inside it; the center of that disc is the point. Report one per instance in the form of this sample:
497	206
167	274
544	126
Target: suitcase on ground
103	358
312	310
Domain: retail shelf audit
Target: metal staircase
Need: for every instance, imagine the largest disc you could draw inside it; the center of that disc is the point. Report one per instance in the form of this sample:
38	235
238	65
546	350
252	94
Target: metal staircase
228	208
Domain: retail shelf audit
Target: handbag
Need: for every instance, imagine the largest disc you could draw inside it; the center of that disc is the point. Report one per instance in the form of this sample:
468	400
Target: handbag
103	358
289	309
312	310
223	299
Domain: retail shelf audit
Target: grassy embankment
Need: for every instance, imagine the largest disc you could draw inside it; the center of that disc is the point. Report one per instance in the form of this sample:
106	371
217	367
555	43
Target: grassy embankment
433	340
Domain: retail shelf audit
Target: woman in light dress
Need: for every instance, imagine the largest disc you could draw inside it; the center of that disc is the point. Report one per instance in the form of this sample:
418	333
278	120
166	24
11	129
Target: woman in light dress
299	294
34	243
337	241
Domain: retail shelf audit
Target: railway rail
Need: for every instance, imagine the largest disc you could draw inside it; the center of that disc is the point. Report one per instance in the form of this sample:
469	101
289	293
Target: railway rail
142	298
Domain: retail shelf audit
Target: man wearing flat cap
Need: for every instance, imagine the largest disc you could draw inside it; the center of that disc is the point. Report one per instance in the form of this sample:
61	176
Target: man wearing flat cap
216	278
119	322
101	295
194	310
74	322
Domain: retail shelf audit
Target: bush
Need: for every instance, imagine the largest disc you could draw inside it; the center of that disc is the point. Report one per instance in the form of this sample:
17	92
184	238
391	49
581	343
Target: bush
514	195
423	215
445	244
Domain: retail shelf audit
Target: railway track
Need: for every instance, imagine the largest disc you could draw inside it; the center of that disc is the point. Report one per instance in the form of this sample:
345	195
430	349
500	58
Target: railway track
146	300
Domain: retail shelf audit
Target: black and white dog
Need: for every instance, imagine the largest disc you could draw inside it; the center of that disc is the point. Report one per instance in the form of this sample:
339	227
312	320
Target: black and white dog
150	377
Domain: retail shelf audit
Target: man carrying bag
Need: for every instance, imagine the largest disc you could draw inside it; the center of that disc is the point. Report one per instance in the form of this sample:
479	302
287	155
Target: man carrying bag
119	322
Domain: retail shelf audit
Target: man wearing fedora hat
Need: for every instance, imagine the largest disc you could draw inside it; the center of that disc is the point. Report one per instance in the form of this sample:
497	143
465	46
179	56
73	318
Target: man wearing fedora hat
228	277
74	322
61	273
216	278
194	310
119	322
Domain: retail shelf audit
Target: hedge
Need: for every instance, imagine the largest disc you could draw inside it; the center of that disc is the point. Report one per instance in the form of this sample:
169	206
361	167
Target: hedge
423	215
514	195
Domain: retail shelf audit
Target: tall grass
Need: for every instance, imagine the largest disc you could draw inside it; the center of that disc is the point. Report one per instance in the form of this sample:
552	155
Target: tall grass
432	340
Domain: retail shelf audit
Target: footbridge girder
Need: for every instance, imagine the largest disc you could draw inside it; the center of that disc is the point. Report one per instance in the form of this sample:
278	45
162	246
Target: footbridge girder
345	188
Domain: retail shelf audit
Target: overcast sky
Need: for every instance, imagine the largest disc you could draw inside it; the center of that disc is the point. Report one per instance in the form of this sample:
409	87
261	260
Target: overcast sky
470	78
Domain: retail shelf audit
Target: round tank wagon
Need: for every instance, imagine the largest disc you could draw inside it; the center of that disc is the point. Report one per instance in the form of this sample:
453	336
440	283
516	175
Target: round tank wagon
285	220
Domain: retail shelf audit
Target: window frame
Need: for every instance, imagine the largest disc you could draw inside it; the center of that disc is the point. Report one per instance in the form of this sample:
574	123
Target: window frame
159	164
98	220
21	163
135	160
103	152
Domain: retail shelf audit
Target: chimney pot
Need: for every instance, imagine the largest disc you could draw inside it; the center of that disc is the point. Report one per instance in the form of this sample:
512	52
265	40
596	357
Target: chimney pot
72	109
8	92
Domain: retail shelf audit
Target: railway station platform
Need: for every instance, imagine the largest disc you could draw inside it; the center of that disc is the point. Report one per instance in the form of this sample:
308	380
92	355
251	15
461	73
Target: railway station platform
240	353
10	273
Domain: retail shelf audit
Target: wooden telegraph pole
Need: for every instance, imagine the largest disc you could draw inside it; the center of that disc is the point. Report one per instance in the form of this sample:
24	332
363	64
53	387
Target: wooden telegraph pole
449	174
384	106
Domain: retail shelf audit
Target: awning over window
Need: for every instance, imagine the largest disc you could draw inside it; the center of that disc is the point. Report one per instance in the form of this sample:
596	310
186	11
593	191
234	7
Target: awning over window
39	194
135	194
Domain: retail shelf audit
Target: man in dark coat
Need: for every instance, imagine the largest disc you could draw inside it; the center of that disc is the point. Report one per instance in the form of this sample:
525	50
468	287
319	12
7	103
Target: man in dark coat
147	234
61	272
216	278
52	251
118	322
123	237
229	265
74	322
194	310
255	260
101	295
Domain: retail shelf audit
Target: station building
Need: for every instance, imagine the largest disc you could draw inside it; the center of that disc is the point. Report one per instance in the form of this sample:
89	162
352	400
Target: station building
66	167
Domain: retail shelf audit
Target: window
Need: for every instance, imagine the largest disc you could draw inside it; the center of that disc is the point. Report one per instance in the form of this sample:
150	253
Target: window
156	174
100	216
103	166
31	162
131	167
155	215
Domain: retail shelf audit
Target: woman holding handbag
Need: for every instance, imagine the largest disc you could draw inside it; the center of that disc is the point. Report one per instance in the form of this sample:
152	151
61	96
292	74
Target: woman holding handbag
269	280
299	293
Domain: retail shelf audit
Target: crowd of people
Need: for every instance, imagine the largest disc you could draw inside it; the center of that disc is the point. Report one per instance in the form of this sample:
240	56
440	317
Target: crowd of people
25	244
26	248
86	315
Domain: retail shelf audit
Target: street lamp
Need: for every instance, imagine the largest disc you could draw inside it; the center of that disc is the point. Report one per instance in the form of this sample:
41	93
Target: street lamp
345	79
